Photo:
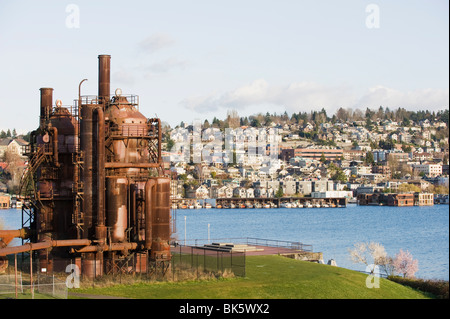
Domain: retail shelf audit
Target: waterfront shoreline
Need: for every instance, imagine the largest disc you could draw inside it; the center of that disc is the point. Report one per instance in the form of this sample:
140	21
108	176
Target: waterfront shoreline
423	230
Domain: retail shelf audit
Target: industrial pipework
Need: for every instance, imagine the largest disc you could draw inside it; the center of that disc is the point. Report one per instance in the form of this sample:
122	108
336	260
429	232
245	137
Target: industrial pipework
94	187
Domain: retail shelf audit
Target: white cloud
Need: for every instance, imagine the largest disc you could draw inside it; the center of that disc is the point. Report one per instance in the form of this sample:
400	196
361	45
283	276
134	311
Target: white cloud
156	42
124	77
306	96
419	99
166	65
294	97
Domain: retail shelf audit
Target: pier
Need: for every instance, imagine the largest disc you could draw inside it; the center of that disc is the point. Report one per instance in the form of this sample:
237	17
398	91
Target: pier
282	202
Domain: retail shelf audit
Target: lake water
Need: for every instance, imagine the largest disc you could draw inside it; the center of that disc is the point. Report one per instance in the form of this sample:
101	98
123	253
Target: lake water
423	231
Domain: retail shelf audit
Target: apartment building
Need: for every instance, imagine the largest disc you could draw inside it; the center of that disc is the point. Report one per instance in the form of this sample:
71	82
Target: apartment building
428	169
316	153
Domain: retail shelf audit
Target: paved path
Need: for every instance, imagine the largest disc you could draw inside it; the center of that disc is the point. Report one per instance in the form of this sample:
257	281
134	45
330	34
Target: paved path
90	296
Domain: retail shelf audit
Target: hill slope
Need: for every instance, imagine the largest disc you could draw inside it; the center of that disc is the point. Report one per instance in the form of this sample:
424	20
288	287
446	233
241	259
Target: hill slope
269	277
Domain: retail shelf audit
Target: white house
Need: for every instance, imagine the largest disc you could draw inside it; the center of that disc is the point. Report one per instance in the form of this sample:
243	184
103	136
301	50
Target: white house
260	192
240	192
202	192
14	146
225	192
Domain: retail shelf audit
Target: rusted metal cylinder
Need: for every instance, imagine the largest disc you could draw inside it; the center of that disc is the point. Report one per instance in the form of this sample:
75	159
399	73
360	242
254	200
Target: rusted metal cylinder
116	207
100	229
133	189
87	147
150	198
92	266
46	105
104	70
161	220
140	210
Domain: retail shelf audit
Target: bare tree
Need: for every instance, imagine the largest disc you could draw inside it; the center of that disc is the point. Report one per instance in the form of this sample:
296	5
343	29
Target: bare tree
233	119
15	169
368	254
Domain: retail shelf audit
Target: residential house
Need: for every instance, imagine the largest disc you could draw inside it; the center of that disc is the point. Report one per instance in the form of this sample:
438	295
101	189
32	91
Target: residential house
5	201
423	199
202	192
260	192
289	187
240	192
224	192
382	169
250	193
361	170
12	145
406	199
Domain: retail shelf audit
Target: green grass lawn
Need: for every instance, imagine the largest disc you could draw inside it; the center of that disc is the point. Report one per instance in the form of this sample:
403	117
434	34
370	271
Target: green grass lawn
269	277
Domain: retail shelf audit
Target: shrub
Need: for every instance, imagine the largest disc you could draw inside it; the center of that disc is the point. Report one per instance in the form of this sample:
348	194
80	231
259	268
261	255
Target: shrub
439	288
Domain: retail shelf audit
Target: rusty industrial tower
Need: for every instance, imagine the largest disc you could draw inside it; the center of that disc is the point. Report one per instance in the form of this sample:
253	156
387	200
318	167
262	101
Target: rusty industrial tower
94	187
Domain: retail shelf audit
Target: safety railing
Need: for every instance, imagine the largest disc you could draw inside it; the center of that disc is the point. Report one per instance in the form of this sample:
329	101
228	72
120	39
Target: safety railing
252	241
94	99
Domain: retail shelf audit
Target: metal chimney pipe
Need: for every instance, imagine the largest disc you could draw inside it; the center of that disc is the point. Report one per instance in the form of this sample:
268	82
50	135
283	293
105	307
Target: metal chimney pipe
104	72
46	104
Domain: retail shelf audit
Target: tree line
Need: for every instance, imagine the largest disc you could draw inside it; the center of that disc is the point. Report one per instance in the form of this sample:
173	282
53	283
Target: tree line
400	115
13	134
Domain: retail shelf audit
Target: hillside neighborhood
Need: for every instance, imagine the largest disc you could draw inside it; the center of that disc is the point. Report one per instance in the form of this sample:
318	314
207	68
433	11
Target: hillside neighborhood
349	154
371	154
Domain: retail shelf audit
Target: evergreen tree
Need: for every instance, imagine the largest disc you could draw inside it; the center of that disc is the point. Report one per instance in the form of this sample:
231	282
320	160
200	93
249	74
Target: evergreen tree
369	158
279	193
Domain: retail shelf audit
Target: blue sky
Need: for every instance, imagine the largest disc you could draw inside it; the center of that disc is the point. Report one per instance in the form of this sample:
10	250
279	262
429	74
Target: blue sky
197	59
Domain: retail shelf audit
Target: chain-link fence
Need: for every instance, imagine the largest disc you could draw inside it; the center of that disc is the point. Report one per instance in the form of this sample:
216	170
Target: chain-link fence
203	259
38	286
9	283
52	277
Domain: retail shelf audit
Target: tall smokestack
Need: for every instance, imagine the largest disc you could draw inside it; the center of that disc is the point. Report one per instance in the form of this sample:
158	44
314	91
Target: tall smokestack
46	104
104	70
